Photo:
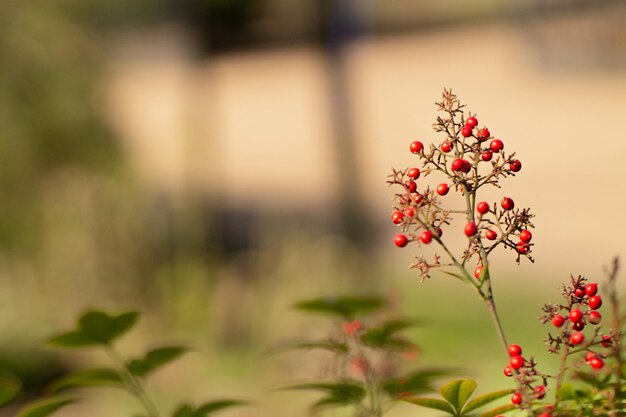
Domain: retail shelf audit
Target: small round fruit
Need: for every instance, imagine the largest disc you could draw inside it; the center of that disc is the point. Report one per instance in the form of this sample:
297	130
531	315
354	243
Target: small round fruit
416	146
478	271
470	229
491	234
544	415
525	236
413	173
467	167
446	146
471	122
439	232
515	350
466	131
516	398
516	362
595	317
591	289
575	315
596	363
457	165
409	211
522	248
607	341
417	198
426	236
483	134
507	203
589	356
397	217
400	240
576	338
486	156
595	302
515	165
411	186
442	189
539	392
508	371
579	293
496	145
558	320
578	326
482	207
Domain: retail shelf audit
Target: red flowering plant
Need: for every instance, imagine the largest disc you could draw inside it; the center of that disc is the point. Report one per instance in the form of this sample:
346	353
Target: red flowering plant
469	159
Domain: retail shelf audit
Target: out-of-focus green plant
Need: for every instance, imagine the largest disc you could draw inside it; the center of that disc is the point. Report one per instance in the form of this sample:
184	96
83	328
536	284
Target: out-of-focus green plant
97	329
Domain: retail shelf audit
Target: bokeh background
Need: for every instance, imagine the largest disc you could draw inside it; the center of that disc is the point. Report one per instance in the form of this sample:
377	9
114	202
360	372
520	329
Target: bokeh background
210	162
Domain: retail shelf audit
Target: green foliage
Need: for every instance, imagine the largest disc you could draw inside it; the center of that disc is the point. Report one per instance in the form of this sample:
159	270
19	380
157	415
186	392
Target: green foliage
207	408
384	336
342	393
10	387
456	395
413	383
45	407
88	378
96	328
346	307
154	359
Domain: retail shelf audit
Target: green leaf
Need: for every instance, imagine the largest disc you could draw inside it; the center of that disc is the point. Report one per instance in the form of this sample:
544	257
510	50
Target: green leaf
331	345
486	399
44	408
433	403
184	410
10	387
566	392
103	328
382	336
458	392
498	410
337	393
413	383
88	378
213	406
457	276
347	307
590	379
73	339
155	359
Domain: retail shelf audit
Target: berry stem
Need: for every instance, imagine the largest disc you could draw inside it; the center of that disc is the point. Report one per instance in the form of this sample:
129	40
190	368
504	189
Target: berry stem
617	407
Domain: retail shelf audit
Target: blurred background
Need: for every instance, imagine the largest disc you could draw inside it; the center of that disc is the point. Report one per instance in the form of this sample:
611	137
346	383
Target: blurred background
210	162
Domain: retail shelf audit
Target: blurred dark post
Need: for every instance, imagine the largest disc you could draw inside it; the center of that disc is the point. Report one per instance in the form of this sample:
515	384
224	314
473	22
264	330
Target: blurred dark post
342	21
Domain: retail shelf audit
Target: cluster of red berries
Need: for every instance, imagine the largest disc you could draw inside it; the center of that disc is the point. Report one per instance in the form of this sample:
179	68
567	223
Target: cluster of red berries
525	370
583	303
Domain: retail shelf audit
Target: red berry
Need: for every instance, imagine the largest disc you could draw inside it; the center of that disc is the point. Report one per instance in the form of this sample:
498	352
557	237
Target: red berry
471	122
516	362
507	203
595	317
508	371
417	197
515	165
426	236
558	320
486	156
478	271
596	363
413	173
442	189
446	146
439	232
591	289
400	240
595	302
589	356
544	415
575	315
578	326
397	217
416	147
515	350
411	186
483	134
516	398
496	145
576	338
579	293
351	328
457	165
467	167
491	235
482	207
525	236
522	248
409	211
606	341
539	392
470	229
467	131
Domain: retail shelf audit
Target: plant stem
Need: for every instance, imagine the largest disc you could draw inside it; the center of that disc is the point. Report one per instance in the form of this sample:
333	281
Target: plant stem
133	384
617	406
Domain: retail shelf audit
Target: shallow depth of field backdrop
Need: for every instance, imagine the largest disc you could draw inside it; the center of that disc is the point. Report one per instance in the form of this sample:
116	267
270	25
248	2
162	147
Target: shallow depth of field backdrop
210	162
